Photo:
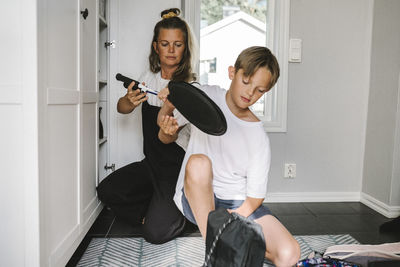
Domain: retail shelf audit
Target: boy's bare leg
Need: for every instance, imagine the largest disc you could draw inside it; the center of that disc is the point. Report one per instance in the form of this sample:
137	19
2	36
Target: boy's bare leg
198	189
282	248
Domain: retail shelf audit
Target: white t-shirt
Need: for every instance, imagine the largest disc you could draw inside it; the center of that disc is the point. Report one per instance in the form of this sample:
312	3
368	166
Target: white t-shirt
240	158
155	82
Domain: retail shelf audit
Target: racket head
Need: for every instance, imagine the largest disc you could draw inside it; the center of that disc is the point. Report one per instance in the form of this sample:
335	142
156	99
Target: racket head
197	107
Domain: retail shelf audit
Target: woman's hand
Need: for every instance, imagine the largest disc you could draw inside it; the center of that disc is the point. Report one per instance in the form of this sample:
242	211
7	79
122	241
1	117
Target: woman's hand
168	125
135	97
168	107
131	100
163	94
169	128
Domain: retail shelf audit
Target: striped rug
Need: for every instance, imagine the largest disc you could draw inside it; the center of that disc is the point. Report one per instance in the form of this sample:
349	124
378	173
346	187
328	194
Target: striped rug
183	251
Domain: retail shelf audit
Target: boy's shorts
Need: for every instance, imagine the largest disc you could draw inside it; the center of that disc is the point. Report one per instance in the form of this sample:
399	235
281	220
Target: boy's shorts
223	203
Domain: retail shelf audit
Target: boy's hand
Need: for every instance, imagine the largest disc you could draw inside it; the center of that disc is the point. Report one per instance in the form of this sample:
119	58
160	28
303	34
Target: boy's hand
168	125
135	97
162	95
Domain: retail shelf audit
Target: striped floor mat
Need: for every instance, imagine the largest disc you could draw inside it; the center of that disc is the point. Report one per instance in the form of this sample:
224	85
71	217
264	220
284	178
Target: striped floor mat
183	251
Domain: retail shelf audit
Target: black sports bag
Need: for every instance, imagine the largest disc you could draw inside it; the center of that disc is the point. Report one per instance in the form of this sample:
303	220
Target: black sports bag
233	240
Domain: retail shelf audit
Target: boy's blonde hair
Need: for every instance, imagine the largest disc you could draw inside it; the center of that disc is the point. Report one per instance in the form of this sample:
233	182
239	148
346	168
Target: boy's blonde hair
255	57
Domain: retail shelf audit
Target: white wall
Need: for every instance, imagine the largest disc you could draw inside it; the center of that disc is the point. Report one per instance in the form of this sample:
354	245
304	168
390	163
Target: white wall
19	192
381	162
327	103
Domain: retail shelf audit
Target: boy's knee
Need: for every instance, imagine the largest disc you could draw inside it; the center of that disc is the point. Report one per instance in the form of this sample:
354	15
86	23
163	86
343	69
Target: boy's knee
288	255
198	161
197	168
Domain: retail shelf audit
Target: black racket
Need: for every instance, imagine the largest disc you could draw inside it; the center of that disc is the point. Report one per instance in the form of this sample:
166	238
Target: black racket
197	107
192	103
127	81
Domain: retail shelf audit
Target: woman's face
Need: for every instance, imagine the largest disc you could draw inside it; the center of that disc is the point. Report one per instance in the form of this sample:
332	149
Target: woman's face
170	47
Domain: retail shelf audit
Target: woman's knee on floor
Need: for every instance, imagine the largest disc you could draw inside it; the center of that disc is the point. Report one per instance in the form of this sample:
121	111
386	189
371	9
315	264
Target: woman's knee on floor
198	170
154	236
108	191
104	191
161	233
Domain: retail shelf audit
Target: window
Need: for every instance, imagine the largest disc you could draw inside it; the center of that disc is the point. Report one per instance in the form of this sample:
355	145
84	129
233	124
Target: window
207	68
225	27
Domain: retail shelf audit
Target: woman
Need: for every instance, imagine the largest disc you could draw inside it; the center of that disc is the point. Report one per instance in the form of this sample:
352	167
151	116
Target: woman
142	192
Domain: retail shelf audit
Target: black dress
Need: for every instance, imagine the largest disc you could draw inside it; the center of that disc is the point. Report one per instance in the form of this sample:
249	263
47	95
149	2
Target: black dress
145	189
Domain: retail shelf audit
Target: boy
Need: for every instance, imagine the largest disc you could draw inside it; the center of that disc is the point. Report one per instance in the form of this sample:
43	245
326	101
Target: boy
231	170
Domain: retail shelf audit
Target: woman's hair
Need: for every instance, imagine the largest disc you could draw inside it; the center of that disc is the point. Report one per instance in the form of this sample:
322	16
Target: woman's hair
170	20
255	57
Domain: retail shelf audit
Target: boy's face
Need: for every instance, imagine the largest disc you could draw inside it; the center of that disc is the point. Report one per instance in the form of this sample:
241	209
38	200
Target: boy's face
247	90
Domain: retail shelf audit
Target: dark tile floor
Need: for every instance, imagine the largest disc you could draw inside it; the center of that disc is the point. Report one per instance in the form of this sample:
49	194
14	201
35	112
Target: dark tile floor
352	218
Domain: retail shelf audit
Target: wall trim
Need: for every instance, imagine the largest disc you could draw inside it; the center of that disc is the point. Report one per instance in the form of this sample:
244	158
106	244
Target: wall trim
89	97
280	47
379	206
394	186
60	250
312	197
59	96
373	203
88	211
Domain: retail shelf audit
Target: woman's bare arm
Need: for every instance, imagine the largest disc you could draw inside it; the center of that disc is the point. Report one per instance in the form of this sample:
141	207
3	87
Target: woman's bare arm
131	100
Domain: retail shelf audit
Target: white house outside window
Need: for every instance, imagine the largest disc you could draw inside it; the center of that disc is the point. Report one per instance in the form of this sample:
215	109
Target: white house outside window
225	28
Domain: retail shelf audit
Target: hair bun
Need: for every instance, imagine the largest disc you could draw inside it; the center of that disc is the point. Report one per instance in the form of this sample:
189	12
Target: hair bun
170	13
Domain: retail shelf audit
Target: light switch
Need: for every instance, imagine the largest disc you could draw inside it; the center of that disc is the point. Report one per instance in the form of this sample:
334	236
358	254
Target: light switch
295	50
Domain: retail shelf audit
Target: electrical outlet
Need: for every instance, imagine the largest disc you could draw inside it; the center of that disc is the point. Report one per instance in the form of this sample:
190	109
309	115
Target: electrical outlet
290	170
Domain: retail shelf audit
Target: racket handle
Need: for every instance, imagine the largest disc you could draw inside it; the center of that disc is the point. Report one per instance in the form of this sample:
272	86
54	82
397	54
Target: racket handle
127	81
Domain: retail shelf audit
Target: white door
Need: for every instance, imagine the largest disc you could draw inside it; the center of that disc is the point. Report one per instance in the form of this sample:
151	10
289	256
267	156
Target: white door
59	129
132	24
89	108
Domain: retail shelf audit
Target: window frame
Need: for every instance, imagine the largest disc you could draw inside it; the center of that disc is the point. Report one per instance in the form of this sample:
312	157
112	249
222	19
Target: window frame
277	41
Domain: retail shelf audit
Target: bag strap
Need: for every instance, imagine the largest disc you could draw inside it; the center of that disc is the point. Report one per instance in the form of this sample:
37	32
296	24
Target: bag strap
214	243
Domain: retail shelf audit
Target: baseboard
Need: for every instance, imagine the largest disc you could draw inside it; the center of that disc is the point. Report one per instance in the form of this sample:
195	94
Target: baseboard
373	203
379	206
312	197
61	255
